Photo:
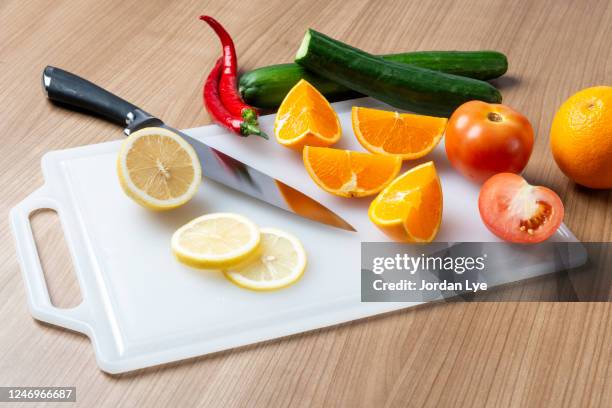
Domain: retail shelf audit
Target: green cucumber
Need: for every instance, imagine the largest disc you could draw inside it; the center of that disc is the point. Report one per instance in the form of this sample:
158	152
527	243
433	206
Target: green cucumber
266	87
403	86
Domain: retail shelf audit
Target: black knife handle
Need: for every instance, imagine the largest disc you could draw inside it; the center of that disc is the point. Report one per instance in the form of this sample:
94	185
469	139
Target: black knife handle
73	91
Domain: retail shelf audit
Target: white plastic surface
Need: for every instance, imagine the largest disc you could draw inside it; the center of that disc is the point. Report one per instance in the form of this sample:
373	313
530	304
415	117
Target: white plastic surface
141	307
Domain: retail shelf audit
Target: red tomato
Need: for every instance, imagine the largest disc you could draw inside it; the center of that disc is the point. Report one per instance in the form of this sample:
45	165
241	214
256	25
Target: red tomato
483	139
516	211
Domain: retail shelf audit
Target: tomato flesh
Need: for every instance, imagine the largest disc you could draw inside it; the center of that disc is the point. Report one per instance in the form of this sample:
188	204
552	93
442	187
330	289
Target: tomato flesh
516	211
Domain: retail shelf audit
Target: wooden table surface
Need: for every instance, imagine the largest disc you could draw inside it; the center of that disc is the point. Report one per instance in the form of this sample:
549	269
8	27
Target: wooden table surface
156	54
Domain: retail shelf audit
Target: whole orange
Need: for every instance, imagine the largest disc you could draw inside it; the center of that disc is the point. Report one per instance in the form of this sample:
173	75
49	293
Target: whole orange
581	137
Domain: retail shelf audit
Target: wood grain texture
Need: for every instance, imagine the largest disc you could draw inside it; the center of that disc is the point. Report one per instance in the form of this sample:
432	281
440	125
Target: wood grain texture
156	53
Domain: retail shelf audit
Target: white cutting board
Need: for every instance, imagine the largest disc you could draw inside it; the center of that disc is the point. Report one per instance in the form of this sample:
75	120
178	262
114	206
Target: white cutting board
141	307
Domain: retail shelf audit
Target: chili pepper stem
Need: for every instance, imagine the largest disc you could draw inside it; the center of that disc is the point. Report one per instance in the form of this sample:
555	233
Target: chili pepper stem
251	129
249	115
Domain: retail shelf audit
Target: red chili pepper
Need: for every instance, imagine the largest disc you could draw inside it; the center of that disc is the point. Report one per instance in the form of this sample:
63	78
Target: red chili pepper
219	112
228	84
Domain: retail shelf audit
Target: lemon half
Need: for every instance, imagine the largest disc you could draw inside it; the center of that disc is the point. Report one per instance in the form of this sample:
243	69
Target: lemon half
279	262
158	169
217	240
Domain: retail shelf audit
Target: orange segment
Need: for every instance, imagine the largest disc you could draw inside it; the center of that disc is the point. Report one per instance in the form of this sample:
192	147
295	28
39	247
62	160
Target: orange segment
410	208
305	118
384	132
350	174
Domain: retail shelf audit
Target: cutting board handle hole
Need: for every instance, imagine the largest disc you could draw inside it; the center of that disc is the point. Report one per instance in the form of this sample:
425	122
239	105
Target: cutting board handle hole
55	259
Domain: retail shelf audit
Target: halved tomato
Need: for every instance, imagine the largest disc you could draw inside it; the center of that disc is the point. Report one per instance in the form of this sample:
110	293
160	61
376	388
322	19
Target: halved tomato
516	211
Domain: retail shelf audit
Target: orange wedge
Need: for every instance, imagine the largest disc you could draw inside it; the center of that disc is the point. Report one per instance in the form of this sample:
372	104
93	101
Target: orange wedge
305	118
410	208
350	174
384	132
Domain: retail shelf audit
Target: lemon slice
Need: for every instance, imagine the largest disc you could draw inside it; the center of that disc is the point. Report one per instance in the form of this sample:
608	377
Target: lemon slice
216	240
280	261
158	169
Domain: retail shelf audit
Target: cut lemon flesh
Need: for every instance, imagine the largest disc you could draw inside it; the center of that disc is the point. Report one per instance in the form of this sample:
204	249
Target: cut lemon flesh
347	173
279	262
216	240
305	117
410	208
408	135
158	169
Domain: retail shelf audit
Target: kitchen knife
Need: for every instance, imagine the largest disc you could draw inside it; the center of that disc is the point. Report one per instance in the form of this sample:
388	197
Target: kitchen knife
72	91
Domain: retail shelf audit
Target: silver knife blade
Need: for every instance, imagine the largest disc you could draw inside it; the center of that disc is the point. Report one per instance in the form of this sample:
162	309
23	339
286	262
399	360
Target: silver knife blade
235	174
